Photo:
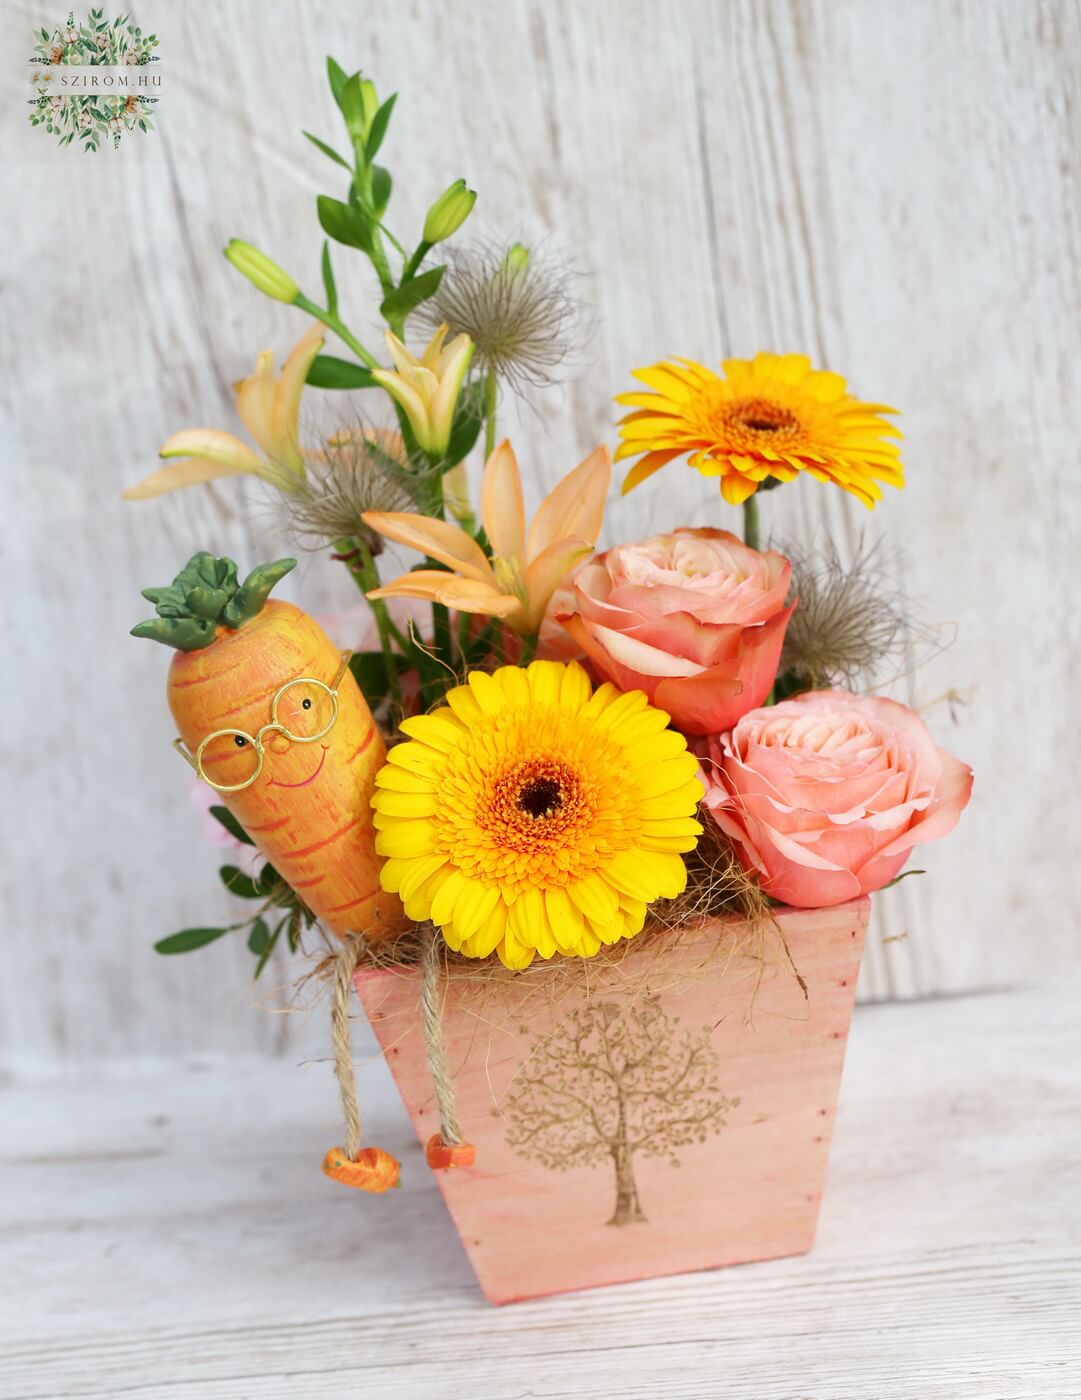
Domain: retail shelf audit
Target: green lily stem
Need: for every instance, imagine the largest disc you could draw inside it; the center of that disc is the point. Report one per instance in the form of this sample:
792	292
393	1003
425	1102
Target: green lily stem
529	649
750	521
362	179
341	330
442	641
442	637
366	577
490	403
464	621
421	252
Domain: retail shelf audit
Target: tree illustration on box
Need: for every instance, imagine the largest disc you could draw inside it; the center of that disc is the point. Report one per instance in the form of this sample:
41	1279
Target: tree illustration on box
613	1083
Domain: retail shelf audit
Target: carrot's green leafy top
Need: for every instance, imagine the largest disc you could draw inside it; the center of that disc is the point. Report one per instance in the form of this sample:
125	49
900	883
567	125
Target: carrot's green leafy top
205	595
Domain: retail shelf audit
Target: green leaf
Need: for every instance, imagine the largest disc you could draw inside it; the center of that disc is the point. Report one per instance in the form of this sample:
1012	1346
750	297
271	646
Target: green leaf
329	372
232	826
328	150
265	954
382	184
380	122
188	940
236	882
259	937
468	421
344	223
267	879
329	285
337	78
409	296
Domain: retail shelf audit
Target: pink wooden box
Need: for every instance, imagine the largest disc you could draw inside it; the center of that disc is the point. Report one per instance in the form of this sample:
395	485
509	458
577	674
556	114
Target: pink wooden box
598	1163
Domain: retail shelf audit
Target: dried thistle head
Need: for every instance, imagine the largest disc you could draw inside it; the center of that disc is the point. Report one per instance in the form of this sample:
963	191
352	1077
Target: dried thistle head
518	308
359	469
848	622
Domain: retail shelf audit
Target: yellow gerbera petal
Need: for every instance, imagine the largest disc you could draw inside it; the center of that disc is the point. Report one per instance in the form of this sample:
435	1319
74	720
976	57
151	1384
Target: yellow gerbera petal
397	779
596	899
406	838
447	896
735	488
473	906
407	804
418	872
488	936
565	919
441	731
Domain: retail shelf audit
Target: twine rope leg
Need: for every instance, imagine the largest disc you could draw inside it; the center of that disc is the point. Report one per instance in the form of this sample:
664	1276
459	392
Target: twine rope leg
346	966
368	1169
433	993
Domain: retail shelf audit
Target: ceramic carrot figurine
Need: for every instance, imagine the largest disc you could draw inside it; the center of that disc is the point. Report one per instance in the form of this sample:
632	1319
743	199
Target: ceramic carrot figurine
270	715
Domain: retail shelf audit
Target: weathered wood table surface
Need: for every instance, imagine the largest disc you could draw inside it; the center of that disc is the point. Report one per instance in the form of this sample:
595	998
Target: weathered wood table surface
166	1232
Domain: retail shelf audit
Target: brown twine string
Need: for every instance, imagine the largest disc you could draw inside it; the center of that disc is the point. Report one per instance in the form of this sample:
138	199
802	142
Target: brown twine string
433	993
345	965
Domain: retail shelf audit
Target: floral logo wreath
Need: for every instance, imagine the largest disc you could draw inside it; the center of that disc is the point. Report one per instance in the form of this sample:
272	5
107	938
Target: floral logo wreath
96	43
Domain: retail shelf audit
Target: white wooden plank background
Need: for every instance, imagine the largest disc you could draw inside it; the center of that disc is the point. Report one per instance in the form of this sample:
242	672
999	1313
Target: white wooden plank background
170	1236
892	188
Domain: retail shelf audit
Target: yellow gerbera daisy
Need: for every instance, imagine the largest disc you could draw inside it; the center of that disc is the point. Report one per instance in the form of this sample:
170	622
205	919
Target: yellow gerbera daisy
530	815
773	416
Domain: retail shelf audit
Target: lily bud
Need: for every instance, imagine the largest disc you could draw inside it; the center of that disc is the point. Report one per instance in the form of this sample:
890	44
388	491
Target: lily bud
369	101
359	104
261	271
516	259
449	212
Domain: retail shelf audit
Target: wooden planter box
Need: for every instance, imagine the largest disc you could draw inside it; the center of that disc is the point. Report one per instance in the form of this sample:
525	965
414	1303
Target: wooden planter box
677	1118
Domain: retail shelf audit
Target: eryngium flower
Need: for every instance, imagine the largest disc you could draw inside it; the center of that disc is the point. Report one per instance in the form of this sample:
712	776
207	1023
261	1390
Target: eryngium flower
516	306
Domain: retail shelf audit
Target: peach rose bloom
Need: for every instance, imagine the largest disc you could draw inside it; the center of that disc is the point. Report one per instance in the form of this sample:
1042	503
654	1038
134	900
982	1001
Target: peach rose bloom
696	619
825	795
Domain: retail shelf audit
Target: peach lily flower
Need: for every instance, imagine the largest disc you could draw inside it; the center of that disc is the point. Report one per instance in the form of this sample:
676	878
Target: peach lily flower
269	406
526	567
427	388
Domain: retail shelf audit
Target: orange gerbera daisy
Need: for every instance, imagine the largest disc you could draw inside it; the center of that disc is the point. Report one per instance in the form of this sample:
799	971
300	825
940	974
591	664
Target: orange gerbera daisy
770	417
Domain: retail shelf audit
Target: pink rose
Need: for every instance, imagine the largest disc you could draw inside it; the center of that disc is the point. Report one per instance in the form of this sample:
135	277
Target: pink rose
825	795
694	618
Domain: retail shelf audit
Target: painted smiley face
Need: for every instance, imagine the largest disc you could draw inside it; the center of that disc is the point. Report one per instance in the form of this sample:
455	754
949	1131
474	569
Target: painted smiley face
304	782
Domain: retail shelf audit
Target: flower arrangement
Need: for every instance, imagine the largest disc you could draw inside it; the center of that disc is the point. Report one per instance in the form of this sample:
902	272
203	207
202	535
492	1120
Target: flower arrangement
533	765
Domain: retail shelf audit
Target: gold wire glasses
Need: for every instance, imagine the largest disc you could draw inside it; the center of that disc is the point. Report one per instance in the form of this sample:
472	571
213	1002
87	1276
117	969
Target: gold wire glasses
316	712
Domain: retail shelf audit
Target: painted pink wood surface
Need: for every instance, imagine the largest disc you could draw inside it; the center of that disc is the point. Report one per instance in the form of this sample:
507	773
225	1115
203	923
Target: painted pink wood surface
711	1150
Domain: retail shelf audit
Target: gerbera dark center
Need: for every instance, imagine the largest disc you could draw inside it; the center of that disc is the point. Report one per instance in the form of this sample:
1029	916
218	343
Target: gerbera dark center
761	418
533	804
541	797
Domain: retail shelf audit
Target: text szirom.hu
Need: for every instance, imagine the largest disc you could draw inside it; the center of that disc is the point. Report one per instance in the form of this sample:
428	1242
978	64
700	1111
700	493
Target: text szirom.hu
81	82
